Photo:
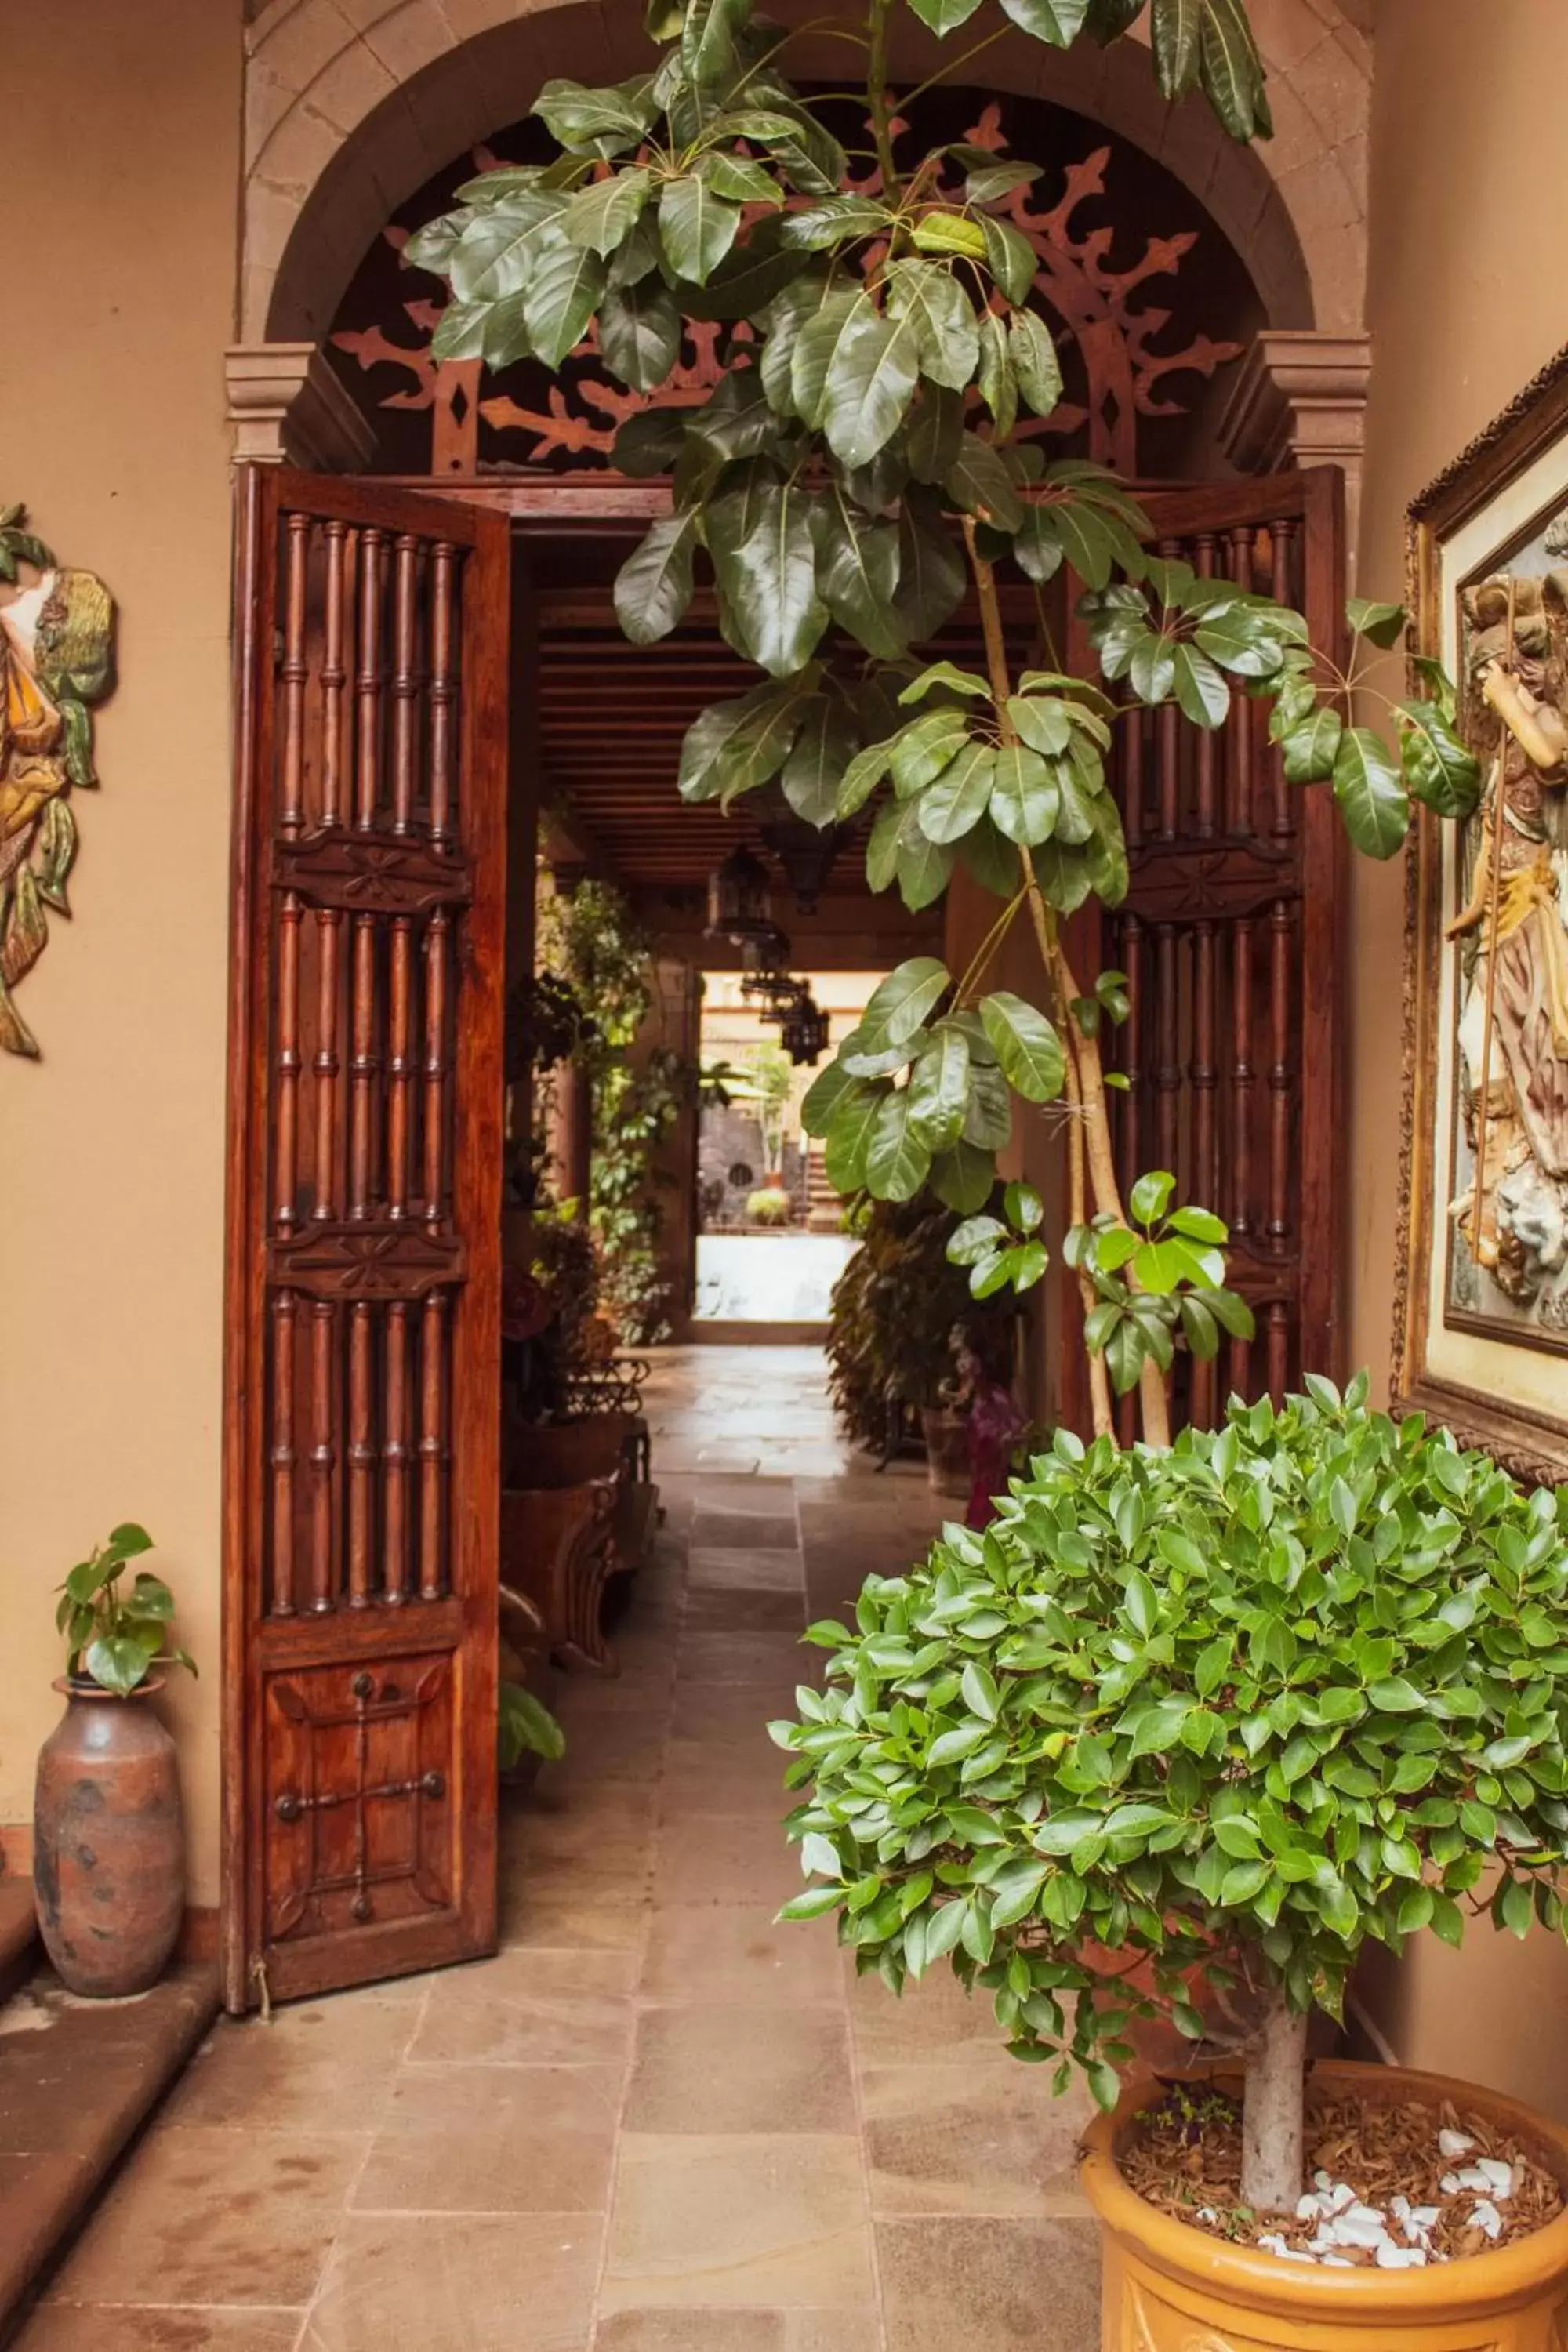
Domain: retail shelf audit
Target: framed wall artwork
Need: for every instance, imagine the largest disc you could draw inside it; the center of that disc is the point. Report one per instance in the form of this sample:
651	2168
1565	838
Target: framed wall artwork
1481	1338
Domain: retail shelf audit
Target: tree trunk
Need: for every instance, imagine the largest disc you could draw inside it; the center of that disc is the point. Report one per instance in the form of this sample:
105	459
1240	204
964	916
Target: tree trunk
1273	2121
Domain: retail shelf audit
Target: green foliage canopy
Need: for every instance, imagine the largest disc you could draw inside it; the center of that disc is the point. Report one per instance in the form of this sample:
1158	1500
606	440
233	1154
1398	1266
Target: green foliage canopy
1235	1707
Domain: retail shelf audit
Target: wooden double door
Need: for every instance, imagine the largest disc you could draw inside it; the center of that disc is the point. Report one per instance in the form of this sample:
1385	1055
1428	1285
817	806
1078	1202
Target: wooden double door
362	1465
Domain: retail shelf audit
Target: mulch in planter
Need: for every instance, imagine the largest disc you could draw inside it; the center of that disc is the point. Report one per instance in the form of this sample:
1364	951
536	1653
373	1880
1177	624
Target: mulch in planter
1184	2157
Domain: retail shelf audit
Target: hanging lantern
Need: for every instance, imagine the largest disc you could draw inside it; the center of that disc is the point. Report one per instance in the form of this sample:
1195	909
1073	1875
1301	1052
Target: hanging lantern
807	853
776	993
766	952
806	1030
739	908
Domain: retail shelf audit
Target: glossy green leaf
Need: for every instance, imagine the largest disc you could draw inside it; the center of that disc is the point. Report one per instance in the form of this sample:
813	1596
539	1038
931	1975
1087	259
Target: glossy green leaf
654	585
980	483
1380	624
1059	22
1439	766
1370	793
956	799
1025	797
604	213
696	227
1310	749
870	382
1177	27
1036	367
1027	1045
765	561
900	1003
562	294
821	751
639	333
961	1178
939	1088
898	1158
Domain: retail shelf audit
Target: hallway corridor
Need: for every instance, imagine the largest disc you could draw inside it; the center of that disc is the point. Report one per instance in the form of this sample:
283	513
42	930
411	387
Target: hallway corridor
654	2122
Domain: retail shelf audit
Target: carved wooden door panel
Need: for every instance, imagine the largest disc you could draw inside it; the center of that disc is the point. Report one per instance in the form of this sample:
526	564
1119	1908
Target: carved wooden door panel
361	1457
1232	939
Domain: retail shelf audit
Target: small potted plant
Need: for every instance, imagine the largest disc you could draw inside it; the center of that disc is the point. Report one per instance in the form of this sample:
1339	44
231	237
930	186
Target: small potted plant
770	1204
1172	1740
108	1845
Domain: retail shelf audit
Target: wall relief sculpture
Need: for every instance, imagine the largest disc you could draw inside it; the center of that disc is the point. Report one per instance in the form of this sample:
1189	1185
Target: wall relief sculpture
1481	1335
57	659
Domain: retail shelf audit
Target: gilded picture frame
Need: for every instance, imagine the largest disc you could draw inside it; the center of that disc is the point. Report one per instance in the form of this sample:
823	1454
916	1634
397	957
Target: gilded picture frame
1480	1333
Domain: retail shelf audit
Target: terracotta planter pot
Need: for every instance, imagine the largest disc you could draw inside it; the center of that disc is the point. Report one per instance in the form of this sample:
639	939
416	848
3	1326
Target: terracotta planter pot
1171	2289
109	1841
566	1453
947	1449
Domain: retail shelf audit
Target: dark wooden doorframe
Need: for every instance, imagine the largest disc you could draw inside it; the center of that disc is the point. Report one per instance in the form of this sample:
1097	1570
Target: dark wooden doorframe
485	515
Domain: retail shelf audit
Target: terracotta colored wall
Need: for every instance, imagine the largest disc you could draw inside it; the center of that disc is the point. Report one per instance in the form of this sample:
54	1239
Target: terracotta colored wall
120	220
1467	301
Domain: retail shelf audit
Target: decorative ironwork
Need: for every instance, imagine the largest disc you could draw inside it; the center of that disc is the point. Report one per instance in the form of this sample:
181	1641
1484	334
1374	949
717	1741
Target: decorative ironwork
373	1704
574	418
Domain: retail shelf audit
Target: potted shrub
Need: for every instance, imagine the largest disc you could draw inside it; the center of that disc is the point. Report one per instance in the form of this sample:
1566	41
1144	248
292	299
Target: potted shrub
1173	1740
895	1309
108	1843
770	1204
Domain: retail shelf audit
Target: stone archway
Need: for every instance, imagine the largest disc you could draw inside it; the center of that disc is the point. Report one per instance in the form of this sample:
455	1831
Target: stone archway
351	104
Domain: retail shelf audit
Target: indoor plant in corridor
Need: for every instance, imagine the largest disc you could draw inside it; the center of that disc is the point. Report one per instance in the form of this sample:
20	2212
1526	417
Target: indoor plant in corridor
1173	1740
109	1844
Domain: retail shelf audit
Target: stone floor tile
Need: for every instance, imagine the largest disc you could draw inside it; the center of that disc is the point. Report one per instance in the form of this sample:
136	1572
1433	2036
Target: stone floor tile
532	1919
985	2139
721	1952
988	2285
318	2066
740	2331
703	1777
774	1661
734	1711
726	1608
704	2066
111	2327
747	1567
206	2215
531	2008
773	2222
767	1531
933	2023
459	2283
724	1858
494	2140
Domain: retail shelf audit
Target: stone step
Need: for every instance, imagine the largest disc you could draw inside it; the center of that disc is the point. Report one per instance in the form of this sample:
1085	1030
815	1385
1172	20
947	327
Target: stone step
78	2080
19	1946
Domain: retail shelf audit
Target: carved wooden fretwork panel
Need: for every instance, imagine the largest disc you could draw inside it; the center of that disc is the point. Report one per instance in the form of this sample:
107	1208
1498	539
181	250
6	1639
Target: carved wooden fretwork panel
1123	353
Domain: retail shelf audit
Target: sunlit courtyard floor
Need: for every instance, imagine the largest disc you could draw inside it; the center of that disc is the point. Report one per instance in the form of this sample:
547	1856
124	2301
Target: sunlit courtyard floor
654	2122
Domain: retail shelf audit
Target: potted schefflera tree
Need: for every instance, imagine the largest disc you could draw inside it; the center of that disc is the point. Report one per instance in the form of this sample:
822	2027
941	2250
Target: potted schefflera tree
1182	1733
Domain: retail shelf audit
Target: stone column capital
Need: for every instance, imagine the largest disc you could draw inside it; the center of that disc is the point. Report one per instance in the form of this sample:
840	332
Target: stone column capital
288	407
1301	400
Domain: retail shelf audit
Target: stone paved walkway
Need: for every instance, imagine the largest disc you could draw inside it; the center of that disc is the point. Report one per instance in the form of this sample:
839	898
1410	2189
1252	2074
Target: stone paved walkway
655	2122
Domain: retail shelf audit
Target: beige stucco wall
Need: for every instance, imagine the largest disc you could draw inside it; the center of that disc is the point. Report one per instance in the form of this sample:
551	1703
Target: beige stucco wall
1466	303
120	214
